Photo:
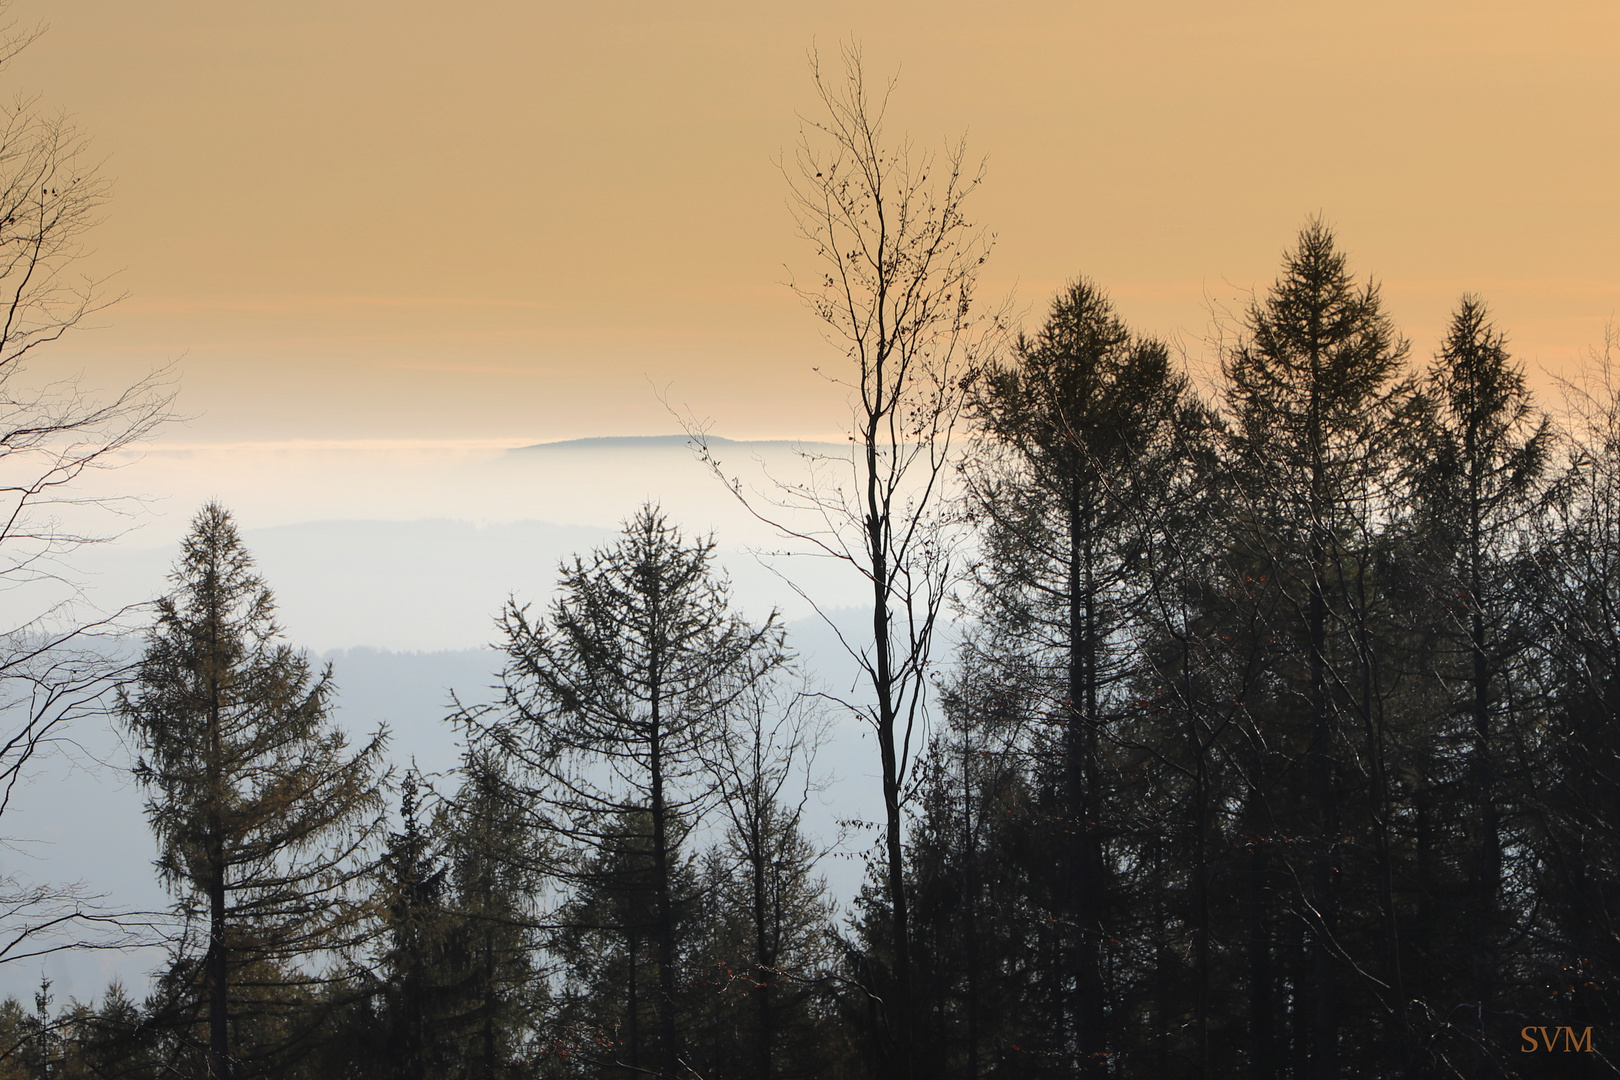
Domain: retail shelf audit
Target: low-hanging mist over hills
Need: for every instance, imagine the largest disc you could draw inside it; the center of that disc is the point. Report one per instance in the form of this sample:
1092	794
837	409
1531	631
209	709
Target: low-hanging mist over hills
79	816
416	546
400	595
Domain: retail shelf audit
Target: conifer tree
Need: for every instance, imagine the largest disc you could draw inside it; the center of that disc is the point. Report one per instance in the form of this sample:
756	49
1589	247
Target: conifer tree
1083	420
262	811
454	988
417	986
982	862
607	941
1318	400
1484	449
1573	782
496	873
613	705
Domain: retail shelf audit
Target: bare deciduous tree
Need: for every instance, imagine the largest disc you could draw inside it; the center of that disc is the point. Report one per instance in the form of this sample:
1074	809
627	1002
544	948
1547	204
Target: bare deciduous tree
897	262
763	767
53	668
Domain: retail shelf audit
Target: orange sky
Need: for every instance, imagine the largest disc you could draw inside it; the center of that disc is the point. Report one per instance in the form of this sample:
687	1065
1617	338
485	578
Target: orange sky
512	219
384	240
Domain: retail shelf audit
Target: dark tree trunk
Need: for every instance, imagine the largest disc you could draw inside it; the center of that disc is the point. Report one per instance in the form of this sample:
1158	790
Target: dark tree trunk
1325	1019
898	1015
898	1012
1086	872
1200	898
1323	549
664	931
1488	854
764	958
217	966
970	913
632	1014
1262	1028
217	961
489	1007
668	1051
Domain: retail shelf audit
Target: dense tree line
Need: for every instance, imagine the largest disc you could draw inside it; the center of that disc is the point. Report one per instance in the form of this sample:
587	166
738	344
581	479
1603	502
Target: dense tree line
1282	742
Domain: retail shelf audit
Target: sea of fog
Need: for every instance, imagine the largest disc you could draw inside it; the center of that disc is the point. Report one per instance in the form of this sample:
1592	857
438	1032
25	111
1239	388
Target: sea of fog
391	561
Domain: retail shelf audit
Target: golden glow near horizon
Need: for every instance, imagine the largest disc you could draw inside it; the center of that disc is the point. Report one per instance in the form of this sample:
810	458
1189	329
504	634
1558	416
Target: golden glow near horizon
397	220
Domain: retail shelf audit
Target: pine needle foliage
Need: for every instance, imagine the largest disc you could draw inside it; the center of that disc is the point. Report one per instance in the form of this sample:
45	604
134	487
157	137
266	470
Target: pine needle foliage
261	810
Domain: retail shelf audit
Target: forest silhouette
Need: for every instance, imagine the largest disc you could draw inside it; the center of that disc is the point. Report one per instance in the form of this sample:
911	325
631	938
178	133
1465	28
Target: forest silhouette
1278	737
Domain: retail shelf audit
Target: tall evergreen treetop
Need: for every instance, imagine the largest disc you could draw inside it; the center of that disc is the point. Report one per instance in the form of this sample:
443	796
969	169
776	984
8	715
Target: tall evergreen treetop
1314	384
1483	450
261	810
1318	406
1082	390
640	658
1086	424
1486	444
614	706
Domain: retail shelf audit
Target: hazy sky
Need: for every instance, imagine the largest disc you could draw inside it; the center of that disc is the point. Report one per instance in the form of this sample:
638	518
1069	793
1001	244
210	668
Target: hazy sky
385	241
512	220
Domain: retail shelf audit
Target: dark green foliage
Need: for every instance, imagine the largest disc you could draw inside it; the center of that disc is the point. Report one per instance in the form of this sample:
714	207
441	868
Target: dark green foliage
261	811
762	973
759	963
1570	761
73	1041
1318	405
420	980
990	877
1347	763
495	873
452	990
608	945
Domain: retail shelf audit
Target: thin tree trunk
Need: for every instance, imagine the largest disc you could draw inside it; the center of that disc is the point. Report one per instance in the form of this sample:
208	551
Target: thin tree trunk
1301	1013
217	961
217	966
1200	900
1425	962
899	1013
1262	1029
489	1006
668	1052
764	961
899	1010
1162	954
1325	1020
970	888
1379	800
1086	863
1489	851
632	1021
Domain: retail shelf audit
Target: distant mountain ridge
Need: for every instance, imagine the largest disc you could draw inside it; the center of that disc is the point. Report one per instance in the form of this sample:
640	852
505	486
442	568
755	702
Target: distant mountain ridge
651	442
